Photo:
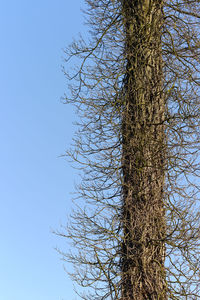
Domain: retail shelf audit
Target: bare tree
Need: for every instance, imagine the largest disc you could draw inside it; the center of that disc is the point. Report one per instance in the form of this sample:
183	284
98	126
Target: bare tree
136	226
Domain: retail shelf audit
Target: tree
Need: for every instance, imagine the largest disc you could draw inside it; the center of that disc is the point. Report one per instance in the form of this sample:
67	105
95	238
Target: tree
136	225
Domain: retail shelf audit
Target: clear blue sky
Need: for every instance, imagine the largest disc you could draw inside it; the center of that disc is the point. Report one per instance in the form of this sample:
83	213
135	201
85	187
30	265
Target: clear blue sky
35	128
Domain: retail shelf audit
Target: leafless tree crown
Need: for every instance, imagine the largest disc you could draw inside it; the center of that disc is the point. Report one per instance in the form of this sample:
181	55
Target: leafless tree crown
135	229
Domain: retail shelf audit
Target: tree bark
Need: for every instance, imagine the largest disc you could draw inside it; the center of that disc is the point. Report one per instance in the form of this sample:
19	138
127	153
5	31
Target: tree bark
143	249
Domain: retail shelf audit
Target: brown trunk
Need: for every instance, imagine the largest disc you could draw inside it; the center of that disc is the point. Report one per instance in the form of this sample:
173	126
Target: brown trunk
143	251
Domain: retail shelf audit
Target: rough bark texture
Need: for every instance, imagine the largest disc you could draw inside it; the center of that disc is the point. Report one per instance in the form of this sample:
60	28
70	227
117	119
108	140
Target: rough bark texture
143	249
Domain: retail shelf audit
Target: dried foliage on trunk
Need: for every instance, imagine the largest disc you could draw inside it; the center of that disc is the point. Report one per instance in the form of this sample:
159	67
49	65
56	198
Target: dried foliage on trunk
136	225
143	154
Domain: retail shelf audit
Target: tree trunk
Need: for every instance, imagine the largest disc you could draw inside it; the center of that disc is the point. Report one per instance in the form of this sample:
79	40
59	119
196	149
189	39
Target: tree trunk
143	250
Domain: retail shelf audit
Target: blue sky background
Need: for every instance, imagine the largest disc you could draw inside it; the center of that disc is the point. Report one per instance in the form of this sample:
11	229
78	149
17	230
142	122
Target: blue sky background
35	128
